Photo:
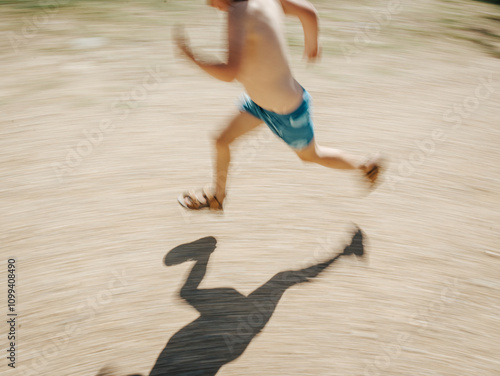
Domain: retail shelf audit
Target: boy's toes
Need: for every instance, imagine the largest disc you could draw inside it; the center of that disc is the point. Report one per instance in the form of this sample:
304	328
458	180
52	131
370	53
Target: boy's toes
372	174
372	169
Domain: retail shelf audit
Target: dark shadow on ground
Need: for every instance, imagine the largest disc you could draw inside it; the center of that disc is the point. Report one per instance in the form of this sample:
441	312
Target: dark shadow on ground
228	320
496	2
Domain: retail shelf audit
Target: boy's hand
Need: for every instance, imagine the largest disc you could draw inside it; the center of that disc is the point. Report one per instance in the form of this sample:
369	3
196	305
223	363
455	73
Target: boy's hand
312	52
181	41
308	16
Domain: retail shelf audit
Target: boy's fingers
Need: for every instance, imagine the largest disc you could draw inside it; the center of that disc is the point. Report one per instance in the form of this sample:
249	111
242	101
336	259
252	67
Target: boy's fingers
313	56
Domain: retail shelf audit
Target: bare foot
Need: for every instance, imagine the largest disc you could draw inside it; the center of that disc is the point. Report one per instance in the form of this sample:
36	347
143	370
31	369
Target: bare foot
372	169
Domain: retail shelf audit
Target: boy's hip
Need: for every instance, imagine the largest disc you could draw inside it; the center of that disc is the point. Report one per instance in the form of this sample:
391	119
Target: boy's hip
295	128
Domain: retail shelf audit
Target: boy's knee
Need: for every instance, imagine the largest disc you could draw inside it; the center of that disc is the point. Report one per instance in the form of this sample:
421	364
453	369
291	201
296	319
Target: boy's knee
307	157
221	141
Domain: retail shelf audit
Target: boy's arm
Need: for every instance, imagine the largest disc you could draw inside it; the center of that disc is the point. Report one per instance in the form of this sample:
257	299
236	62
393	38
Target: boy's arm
308	16
236	37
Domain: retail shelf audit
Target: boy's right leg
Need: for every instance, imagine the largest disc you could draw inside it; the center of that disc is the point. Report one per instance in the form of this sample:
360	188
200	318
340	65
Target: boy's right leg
242	123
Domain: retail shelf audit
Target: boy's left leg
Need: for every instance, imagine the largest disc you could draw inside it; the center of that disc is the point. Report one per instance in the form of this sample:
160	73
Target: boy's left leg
329	157
338	159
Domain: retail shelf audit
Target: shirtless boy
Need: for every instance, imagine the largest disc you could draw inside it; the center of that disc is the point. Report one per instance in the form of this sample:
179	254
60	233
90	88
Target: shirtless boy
257	59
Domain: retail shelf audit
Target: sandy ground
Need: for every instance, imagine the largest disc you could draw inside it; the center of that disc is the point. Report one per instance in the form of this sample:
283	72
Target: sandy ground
103	125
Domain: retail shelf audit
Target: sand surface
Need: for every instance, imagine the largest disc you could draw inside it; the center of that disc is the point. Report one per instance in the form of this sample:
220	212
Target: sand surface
104	125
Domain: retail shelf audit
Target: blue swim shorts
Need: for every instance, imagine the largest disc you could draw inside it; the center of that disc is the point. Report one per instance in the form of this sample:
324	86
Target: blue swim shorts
296	128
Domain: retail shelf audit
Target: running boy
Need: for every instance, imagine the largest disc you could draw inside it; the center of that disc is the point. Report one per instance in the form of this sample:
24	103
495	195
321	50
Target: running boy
257	59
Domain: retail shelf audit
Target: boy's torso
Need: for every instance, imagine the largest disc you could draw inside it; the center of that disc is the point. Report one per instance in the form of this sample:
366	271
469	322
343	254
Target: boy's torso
264	69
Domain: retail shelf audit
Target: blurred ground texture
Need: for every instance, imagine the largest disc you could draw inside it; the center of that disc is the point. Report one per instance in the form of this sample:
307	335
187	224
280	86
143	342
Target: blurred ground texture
103	125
